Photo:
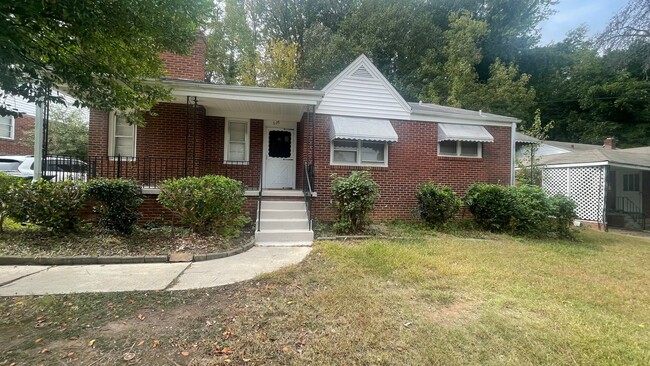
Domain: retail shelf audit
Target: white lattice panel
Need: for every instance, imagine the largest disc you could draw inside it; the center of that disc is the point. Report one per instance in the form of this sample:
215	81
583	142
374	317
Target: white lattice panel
584	185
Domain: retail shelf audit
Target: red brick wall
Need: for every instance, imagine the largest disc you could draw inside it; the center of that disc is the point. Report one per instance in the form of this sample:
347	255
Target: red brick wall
190	67
19	145
411	161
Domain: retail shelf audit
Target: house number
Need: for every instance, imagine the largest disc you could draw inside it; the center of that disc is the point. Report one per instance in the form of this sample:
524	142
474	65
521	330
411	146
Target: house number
275	123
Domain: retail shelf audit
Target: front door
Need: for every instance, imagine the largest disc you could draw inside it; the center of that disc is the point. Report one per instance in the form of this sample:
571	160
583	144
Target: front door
629	190
280	160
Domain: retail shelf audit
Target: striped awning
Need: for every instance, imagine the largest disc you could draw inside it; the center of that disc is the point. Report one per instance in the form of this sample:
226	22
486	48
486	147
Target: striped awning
458	132
366	129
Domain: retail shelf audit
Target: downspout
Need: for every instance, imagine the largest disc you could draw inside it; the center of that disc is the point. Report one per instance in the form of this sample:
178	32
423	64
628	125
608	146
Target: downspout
512	152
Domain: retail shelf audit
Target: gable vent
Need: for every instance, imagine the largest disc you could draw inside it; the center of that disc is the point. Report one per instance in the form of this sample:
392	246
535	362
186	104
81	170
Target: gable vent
361	72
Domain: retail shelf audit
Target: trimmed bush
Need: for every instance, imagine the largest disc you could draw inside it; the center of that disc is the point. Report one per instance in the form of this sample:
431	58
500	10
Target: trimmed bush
116	201
437	204
211	204
354	198
520	210
6	199
51	205
491	206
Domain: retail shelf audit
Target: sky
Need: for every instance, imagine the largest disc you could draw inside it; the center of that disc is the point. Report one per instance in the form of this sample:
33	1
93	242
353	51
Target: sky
570	14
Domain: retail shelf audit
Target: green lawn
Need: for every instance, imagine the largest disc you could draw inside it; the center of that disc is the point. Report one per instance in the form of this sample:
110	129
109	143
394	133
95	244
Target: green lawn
431	300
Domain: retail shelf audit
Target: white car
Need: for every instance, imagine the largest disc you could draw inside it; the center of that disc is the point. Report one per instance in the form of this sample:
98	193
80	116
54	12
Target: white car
58	168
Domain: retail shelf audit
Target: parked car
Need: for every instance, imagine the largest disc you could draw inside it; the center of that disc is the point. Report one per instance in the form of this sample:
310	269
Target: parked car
56	168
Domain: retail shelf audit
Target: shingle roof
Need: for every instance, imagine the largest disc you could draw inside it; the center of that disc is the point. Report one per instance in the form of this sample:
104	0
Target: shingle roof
623	157
436	108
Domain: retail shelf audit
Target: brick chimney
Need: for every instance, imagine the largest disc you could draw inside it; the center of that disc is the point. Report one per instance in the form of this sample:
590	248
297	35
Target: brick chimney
191	67
609	144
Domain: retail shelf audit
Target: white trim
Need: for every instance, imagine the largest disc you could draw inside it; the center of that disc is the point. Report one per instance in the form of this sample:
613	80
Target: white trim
112	125
12	128
513	148
573	165
245	93
383	164
458	119
226	141
458	150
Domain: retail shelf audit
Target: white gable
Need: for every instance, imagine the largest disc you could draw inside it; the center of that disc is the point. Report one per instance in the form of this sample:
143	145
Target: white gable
362	91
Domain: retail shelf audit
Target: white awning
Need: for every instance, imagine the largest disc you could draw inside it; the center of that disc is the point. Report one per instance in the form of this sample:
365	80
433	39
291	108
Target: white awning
367	129
454	132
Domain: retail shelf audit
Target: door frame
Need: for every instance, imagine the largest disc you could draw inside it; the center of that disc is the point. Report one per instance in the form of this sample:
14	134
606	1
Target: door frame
279	125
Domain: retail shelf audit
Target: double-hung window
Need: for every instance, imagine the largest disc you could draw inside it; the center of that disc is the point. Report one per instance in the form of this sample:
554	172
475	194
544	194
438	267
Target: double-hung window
356	152
470	149
237	141
631	182
7	126
122	136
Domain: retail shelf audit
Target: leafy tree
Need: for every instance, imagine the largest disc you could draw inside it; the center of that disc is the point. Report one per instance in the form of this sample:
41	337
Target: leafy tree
68	133
630	24
103	52
528	172
279	65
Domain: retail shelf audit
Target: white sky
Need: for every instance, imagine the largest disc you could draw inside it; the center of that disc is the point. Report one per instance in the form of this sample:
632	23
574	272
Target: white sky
570	14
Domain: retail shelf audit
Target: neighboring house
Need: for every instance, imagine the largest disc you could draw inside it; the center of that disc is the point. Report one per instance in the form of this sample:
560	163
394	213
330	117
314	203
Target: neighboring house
14	130
281	142
610	186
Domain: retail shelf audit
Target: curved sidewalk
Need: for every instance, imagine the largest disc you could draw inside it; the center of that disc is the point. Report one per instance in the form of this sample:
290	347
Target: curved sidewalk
41	280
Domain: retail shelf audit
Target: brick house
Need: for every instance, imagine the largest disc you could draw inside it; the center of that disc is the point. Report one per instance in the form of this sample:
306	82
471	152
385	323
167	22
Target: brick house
274	139
14	130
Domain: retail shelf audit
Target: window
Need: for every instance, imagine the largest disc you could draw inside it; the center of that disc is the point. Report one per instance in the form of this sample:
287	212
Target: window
350	152
7	127
237	140
122	136
467	149
631	182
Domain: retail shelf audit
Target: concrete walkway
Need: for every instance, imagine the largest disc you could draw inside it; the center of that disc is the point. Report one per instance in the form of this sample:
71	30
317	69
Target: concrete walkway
41	280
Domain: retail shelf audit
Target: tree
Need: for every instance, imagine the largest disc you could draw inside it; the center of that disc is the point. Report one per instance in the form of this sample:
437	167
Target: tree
630	26
67	132
102	52
278	68
528	172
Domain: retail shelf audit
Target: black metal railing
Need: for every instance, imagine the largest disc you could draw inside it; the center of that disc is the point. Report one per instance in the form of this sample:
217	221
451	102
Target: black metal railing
57	168
150	171
628	207
308	190
259	198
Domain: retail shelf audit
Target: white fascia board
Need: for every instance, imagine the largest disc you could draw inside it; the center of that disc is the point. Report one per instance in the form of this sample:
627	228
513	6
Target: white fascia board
574	165
253	94
462	120
214	112
372	69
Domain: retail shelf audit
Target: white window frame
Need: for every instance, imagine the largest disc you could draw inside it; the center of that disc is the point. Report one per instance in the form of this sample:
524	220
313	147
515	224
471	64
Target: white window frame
226	141
479	150
359	162
12	128
112	126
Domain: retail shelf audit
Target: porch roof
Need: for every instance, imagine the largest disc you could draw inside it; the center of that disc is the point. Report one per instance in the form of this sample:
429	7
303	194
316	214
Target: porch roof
246	101
634	159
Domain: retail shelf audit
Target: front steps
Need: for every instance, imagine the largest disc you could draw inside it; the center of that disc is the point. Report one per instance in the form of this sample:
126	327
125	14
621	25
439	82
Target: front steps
284	223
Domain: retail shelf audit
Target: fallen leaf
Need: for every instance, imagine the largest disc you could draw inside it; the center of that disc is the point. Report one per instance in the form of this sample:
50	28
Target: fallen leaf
73	338
140	343
185	353
44	350
407	324
141	317
131	301
285	349
91	342
226	350
155	343
38	340
70	354
129	356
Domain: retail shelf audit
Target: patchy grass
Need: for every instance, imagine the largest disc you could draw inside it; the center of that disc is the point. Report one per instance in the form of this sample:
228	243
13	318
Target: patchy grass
18	240
434	300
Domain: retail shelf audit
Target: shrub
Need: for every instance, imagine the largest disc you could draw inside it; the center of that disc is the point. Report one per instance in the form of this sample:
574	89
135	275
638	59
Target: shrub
116	201
208	205
437	204
6	199
51	205
520	210
490	205
563	212
354	198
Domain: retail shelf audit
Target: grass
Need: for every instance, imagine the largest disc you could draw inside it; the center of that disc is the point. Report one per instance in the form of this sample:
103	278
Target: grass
440	299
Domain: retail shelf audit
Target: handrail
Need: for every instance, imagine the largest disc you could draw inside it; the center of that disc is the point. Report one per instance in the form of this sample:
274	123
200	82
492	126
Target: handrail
259	198
308	191
627	206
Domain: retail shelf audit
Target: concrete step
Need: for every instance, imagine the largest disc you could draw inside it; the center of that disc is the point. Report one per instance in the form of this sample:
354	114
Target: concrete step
283	214
282	193
288	237
284	205
290	224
